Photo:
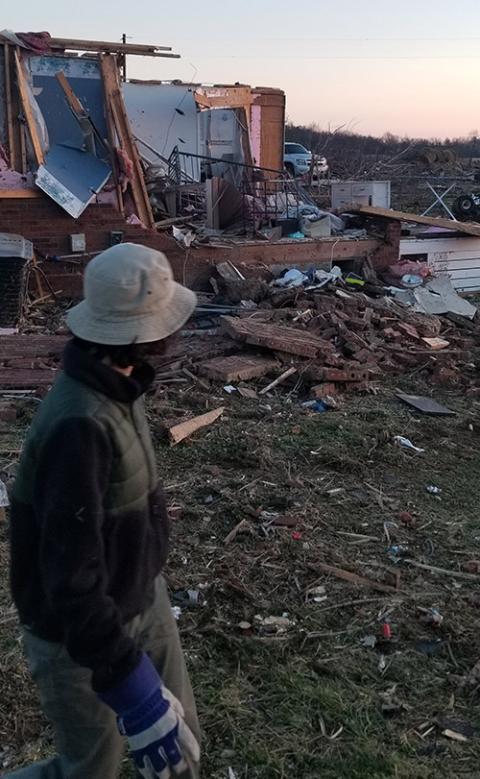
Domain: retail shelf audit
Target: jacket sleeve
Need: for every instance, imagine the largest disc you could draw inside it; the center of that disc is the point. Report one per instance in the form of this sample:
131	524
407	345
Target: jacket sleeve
68	493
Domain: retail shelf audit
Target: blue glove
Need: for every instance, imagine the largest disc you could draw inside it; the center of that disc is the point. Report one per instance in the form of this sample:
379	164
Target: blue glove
151	718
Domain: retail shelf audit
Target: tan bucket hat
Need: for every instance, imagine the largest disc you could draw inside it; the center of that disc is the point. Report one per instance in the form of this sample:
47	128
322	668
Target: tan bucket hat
130	297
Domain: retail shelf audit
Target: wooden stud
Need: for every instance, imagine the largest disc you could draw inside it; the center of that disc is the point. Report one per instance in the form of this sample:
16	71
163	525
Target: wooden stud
112	144
127	142
8	100
27	112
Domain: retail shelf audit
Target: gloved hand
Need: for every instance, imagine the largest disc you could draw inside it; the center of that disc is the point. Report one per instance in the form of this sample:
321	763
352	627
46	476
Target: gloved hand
151	718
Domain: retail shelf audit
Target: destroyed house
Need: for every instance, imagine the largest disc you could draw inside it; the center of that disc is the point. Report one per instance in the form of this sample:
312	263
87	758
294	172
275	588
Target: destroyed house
88	159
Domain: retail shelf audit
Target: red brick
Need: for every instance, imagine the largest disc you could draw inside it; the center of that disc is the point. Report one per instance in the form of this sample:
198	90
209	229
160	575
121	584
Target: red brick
237	367
320	391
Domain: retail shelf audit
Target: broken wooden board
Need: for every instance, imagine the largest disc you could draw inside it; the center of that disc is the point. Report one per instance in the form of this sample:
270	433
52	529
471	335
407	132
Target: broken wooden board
114	99
237	367
275	337
436	344
425	405
24	92
354	578
184	430
402	216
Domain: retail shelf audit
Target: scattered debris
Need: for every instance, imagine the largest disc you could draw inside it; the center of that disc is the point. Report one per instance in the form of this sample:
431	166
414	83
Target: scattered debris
4	501
436	344
443	571
369	642
273	625
354	578
243	527
405	443
454	736
425	405
317	594
431	617
284	376
433	490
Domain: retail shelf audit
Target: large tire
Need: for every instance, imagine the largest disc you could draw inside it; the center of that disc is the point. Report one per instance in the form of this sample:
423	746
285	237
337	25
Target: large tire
464	208
290	169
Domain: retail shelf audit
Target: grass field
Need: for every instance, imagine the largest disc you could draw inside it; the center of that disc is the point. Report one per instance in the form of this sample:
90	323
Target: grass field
312	702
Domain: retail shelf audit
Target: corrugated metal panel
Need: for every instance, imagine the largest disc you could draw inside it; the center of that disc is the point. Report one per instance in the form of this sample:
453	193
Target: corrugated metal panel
459	258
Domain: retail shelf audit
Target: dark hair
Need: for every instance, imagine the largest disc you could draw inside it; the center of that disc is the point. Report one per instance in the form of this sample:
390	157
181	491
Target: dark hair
121	356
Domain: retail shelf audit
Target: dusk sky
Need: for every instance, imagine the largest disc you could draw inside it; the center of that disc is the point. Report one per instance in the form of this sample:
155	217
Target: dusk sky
409	68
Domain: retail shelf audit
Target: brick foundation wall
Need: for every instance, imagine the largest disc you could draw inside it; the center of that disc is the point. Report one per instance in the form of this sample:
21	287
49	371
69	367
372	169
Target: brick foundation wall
49	227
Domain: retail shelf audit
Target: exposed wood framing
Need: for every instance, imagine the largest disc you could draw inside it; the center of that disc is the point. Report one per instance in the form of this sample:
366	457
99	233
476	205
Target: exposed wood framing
8	101
16	141
112	142
234	97
114	99
27	112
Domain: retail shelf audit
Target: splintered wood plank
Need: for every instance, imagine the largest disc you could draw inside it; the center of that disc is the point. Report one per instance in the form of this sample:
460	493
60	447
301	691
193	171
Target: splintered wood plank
275	337
432	221
114	100
184	430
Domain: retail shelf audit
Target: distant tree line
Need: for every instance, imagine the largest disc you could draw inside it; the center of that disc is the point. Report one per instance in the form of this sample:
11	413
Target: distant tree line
340	143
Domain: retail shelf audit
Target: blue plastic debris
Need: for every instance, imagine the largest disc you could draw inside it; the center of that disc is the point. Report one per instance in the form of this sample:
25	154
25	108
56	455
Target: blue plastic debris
316	405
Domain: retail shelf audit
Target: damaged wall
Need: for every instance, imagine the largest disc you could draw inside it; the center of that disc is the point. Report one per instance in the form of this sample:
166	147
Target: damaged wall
163	115
83	75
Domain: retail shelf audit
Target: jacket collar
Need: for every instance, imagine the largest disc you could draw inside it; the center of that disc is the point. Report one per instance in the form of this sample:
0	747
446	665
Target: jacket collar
82	366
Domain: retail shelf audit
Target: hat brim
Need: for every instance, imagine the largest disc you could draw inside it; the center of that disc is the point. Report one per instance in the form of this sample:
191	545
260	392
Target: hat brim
122	330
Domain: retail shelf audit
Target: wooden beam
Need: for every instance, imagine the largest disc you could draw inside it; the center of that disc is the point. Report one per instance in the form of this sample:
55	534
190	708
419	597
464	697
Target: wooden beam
20	194
146	50
468	228
8	105
112	142
236	97
123	130
12	105
72	99
27	112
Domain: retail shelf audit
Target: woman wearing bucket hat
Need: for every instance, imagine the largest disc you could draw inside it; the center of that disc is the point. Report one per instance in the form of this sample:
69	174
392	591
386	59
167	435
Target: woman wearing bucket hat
89	533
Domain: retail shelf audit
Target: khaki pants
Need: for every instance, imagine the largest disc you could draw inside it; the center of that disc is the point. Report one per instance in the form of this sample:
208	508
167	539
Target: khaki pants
86	735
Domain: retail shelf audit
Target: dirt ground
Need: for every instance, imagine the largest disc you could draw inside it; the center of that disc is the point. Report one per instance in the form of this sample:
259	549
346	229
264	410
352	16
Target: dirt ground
313	701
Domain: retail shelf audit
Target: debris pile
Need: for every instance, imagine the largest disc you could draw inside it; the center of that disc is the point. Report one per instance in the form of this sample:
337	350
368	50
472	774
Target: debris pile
342	333
330	334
